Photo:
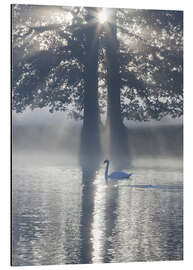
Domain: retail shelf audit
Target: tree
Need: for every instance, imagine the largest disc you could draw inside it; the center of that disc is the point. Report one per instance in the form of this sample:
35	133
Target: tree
48	59
90	139
116	129
60	54
49	54
63	75
144	62
152	66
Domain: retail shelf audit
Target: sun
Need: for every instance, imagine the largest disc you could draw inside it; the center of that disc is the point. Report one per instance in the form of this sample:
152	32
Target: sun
69	17
102	16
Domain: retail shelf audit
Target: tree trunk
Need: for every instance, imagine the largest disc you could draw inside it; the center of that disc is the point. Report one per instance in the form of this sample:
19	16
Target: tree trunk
117	131
90	141
113	75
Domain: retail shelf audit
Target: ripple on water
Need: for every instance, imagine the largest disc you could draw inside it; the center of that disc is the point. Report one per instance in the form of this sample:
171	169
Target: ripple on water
55	216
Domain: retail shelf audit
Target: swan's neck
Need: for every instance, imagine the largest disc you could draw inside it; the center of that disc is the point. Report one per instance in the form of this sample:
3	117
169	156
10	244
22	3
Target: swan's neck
106	171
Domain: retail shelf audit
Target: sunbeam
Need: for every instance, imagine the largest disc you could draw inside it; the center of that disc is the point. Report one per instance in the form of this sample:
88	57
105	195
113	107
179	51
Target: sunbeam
102	16
69	17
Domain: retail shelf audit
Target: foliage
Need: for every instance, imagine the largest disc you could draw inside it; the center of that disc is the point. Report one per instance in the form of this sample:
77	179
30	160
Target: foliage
48	49
151	58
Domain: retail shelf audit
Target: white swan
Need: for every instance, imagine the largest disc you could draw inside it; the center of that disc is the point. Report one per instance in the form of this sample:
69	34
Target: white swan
115	175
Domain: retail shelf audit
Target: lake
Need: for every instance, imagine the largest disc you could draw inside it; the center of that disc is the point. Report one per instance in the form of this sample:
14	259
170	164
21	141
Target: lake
56	219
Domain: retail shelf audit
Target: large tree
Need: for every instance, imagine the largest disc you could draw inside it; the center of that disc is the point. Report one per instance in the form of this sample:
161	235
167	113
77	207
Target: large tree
138	54
63	73
90	140
144	62
116	131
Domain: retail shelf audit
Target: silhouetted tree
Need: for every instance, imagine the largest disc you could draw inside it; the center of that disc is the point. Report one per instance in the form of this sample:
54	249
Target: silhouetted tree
115	129
62	75
57	52
151	59
90	141
49	57
144	62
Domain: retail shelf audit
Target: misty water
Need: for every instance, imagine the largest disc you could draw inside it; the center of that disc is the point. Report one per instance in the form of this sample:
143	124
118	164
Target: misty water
56	219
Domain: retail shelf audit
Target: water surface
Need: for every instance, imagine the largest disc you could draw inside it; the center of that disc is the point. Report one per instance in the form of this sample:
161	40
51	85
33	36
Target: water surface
56	219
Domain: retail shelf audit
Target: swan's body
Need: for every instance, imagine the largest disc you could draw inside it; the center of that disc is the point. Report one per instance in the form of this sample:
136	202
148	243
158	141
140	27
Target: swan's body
115	175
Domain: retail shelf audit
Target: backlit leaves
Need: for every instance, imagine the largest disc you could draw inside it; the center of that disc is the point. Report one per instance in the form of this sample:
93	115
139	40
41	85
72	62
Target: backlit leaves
48	49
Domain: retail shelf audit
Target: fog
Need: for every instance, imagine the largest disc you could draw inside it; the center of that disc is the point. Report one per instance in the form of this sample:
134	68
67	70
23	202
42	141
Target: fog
40	137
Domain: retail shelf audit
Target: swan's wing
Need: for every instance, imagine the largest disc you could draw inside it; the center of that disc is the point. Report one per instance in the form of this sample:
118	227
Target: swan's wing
119	175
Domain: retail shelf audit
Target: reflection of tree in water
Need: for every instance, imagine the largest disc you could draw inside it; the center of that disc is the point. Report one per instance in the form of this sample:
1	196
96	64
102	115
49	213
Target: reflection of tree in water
108	217
86	219
111	199
90	158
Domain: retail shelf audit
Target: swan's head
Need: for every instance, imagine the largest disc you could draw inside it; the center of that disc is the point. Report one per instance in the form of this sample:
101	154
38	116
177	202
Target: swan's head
106	161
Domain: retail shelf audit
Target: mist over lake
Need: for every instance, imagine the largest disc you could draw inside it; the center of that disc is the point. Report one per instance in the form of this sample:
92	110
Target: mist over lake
59	136
58	219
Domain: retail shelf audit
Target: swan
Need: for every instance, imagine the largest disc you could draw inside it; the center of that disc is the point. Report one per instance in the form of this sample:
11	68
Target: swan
115	175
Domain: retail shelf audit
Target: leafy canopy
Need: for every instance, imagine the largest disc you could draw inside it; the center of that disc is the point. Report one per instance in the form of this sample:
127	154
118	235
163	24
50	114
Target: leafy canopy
48	49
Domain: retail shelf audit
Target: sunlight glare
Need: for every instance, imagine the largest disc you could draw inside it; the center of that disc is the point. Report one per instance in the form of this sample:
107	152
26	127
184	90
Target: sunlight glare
69	17
102	16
